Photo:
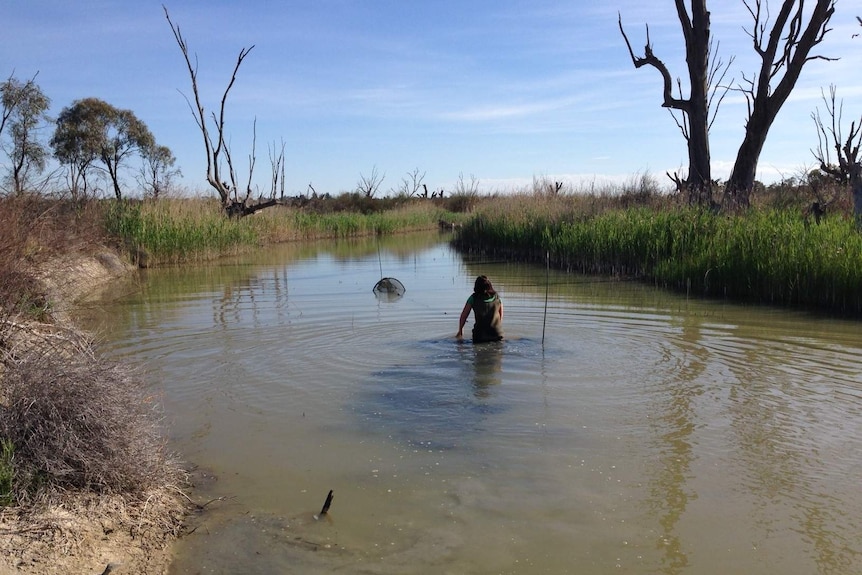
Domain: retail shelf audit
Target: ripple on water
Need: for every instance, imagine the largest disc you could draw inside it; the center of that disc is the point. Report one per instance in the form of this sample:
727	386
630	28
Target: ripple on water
438	399
638	429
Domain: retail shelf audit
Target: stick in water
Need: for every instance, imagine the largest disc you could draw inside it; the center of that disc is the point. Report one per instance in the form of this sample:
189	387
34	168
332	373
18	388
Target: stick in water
547	282
326	504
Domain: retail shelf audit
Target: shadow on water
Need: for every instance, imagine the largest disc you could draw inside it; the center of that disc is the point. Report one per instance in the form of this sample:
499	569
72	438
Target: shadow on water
440	402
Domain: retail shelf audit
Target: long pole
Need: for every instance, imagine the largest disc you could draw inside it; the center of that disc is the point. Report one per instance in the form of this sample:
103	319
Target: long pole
379	258
547	283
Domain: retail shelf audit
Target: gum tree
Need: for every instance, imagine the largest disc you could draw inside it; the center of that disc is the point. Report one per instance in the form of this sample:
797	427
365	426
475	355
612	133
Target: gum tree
24	108
694	108
234	203
783	45
91	129
845	167
157	172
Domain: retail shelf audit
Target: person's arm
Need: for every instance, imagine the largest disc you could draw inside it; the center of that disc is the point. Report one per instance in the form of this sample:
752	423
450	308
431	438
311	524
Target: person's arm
501	310
465	313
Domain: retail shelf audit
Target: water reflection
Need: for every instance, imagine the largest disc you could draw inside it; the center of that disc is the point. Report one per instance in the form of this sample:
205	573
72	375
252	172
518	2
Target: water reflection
241	297
487	361
774	415
440	401
674	400
773	411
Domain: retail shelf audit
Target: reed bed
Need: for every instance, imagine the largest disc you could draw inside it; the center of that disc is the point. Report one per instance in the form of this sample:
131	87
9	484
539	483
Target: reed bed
288	224
175	231
766	255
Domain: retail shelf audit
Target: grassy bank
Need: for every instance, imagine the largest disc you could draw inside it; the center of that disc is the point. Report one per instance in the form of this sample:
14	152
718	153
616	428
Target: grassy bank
174	231
767	255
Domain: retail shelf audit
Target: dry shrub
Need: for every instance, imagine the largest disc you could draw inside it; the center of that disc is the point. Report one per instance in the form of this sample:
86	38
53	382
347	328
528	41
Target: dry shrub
34	229
14	283
78	422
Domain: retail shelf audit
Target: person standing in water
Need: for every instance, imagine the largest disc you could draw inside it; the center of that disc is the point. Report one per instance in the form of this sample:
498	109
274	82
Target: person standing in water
487	313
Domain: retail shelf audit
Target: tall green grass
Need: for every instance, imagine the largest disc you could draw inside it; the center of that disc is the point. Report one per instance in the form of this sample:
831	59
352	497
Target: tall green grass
286	224
768	255
173	231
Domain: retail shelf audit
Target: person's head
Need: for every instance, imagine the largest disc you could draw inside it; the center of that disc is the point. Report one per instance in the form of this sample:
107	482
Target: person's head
483	286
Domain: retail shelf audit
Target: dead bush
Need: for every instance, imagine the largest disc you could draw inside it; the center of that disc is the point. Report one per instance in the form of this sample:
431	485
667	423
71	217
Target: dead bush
77	422
34	229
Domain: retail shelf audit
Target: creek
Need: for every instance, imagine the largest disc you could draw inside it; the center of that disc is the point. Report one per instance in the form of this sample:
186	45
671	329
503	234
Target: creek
618	429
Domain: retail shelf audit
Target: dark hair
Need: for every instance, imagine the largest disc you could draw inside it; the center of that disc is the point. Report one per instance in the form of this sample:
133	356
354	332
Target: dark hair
483	287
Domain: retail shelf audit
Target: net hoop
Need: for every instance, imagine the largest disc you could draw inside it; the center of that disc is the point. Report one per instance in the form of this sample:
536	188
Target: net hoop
389	288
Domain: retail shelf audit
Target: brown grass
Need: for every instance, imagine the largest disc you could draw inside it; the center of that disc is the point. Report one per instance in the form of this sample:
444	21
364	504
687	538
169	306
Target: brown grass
34	230
74	420
78	422
85	476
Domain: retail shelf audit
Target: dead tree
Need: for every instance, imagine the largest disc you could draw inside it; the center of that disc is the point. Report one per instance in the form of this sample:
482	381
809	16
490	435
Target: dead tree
368	186
784	48
411	183
703	80
465	188
846	169
276	162
228	192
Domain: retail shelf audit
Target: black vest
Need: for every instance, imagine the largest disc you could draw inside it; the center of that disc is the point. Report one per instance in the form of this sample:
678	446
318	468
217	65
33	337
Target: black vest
488	326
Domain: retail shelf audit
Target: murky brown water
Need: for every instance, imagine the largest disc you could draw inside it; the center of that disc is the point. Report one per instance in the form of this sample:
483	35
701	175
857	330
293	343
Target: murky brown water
649	434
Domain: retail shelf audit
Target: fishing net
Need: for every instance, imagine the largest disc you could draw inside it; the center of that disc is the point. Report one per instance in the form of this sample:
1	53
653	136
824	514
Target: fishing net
389	288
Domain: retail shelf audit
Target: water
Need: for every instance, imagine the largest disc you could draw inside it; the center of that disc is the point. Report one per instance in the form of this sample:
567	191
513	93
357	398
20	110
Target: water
648	433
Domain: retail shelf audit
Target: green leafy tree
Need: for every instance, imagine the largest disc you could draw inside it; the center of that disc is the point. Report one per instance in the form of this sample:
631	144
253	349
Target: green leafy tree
157	172
91	129
76	144
24	113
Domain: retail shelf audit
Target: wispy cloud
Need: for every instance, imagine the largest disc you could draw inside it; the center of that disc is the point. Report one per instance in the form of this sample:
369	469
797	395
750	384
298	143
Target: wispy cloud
497	111
505	89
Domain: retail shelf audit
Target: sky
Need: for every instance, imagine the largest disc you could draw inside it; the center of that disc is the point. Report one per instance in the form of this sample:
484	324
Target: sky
494	92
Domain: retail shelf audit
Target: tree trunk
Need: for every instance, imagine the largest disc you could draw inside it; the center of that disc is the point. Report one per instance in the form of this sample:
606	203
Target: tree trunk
856	190
112	172
695	108
697	58
783	49
741	181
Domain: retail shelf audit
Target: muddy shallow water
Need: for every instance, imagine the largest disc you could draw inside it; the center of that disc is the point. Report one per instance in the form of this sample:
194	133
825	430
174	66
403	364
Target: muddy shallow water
642	432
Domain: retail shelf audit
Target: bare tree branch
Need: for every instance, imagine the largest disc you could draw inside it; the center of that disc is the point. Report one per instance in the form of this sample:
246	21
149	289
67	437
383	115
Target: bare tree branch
847	168
213	150
718	71
650	59
276	162
369	185
695	121
784	46
252	159
411	183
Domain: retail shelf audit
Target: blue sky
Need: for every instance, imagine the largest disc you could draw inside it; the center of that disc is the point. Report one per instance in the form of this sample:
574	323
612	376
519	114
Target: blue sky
502	91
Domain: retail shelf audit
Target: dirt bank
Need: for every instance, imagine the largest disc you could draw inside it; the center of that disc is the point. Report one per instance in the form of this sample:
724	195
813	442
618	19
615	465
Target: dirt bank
81	532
